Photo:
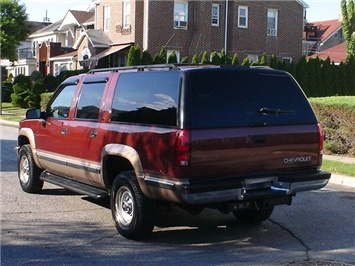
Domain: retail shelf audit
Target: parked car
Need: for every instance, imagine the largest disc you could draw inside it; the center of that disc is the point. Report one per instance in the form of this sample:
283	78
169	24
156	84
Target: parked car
237	139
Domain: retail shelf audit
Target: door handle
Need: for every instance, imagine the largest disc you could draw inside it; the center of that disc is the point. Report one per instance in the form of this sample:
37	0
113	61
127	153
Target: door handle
63	131
93	134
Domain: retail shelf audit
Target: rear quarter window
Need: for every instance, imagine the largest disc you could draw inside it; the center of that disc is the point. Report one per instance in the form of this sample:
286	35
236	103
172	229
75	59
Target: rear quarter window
235	98
146	98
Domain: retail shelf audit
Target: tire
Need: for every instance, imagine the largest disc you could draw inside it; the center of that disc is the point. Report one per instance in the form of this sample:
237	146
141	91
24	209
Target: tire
28	171
253	216
132	211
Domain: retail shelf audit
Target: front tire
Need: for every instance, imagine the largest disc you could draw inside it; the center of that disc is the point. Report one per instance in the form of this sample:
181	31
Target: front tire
132	211
28	171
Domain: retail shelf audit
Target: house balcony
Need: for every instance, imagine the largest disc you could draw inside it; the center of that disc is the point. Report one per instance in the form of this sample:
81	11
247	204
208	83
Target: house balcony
25	53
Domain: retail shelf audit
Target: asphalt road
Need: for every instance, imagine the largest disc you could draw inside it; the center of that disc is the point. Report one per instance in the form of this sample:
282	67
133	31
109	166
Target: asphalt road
58	227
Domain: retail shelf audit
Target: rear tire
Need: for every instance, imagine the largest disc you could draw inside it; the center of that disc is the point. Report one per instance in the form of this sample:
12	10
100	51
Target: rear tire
28	171
132	211
253	216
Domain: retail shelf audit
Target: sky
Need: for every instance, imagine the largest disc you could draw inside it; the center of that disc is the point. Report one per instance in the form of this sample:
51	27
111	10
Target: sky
36	9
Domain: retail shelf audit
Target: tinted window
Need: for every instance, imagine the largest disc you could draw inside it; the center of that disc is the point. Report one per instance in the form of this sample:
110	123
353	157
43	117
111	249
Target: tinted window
60	106
147	97
90	101
235	97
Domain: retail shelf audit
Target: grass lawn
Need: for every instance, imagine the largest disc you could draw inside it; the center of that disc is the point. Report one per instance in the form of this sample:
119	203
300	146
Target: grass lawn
11	113
347	102
339	168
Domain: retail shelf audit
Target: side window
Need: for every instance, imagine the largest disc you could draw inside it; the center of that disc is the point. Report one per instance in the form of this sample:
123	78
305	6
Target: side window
90	101
60	106
147	98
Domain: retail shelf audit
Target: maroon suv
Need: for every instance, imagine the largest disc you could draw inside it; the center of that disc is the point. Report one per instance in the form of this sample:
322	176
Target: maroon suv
237	139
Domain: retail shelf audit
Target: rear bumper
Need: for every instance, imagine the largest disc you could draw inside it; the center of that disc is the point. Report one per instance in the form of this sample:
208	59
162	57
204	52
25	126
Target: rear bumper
241	188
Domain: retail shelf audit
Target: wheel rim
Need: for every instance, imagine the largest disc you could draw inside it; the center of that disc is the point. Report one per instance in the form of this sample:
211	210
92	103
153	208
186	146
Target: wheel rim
124	206
24	170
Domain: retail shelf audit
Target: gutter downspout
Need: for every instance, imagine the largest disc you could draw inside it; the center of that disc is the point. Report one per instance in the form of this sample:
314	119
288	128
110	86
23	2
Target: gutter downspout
146	25
226	28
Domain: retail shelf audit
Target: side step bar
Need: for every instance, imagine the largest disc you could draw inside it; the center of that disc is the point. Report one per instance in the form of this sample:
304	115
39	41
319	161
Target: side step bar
75	186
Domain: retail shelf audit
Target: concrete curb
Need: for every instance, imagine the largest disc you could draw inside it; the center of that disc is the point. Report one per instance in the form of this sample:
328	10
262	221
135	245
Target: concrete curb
342	180
9	123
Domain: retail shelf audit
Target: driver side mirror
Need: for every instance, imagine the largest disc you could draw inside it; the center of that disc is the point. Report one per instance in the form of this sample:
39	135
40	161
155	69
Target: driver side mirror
35	114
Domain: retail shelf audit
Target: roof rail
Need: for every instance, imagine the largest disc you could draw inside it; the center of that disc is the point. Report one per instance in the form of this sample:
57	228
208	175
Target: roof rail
136	68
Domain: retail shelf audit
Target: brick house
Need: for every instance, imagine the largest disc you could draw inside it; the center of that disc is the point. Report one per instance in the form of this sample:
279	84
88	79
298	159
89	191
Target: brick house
248	28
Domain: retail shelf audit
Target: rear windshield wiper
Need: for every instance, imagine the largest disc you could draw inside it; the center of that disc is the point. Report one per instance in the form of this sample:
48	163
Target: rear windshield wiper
272	111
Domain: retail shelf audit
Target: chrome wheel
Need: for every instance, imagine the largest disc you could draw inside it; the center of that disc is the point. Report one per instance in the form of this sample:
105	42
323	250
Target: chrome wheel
24	170
124	206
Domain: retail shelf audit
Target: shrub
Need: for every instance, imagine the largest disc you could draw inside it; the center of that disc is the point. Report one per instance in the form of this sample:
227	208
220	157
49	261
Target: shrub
45	97
215	59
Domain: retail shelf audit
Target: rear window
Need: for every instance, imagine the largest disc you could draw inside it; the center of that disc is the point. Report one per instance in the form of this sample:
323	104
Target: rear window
146	98
236	97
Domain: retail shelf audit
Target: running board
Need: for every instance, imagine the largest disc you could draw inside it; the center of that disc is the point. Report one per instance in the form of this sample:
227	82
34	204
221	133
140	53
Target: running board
75	186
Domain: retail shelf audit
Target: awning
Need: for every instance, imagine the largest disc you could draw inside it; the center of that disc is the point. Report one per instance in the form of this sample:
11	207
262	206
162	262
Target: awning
92	61
111	50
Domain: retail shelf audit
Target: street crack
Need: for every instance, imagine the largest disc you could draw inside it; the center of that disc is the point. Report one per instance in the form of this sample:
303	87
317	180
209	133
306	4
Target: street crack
307	248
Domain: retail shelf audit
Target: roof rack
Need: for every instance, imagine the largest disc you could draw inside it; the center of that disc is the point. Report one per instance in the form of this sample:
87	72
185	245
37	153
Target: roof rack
158	67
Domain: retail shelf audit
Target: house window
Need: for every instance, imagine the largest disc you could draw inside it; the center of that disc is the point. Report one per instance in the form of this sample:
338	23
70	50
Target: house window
253	58
107	11
272	17
215	15
126	14
180	14
287	60
243	17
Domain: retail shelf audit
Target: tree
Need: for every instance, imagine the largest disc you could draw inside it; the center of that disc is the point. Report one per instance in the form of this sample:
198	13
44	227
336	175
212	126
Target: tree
223	57
348	26
172	58
134	56
204	59
235	60
146	58
246	62
14	28
194	59
263	61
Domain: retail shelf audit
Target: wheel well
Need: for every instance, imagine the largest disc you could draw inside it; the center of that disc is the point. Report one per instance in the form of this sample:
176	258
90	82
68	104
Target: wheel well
112	166
22	140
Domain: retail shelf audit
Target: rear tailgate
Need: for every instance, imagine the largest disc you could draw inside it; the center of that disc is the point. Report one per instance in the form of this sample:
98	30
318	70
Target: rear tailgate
258	150
250	121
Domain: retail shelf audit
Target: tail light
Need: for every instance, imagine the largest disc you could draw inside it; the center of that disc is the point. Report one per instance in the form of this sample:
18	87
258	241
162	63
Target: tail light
321	143
182	148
